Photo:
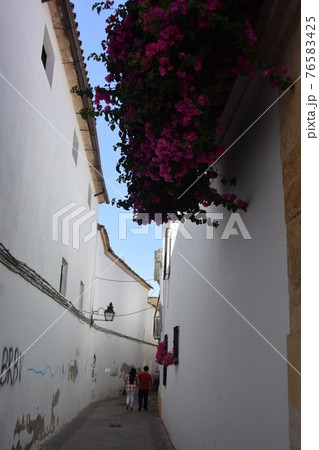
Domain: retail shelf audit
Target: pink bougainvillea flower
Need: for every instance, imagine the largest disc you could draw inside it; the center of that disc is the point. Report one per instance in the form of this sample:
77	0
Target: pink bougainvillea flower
241	204
226	196
220	129
246	66
162	59
109	78
282	70
269	72
203	22
203	100
162	71
198	64
108	4
249	33
156	198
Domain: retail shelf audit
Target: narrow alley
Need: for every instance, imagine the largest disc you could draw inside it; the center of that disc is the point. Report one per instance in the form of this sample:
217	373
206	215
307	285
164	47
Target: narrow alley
151	216
108	425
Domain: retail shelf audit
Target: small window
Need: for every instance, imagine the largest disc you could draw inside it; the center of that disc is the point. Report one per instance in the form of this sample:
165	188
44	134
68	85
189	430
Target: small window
75	148
89	196
44	57
80	302
63	277
47	56
176	342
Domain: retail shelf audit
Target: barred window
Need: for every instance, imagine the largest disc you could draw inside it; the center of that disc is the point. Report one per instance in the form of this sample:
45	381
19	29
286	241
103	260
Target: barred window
165	368
176	342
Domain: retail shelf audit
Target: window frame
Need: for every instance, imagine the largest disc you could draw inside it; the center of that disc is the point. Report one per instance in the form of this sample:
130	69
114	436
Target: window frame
176	341
48	61
165	368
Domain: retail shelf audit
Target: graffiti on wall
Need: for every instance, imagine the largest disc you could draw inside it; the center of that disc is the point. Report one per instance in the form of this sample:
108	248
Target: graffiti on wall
36	427
11	366
72	370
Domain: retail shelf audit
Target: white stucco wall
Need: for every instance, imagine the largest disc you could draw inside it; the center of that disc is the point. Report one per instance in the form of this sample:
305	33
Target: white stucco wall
230	299
66	364
134	316
38	176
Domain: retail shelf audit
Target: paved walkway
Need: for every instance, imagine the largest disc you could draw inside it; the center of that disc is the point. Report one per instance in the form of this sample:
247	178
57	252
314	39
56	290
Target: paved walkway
108	425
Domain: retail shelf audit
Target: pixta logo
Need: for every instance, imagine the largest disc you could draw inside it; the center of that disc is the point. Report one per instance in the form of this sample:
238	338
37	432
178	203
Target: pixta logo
68	222
233	227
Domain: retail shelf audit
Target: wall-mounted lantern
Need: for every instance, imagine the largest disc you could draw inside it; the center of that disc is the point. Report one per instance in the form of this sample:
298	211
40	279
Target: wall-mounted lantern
109	313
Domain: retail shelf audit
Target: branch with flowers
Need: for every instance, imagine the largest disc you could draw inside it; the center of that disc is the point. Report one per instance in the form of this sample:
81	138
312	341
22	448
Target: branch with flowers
163	357
163	58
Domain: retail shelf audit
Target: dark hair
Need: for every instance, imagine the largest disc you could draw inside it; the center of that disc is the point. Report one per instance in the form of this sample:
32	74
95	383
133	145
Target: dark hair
146	368
132	375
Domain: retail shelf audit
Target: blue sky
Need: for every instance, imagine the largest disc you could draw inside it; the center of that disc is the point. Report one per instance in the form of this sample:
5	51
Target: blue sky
137	247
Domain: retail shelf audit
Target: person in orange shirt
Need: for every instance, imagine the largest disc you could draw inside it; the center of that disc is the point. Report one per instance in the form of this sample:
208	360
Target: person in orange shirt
145	385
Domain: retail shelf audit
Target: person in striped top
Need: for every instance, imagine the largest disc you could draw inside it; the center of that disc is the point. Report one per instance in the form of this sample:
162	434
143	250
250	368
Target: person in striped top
131	381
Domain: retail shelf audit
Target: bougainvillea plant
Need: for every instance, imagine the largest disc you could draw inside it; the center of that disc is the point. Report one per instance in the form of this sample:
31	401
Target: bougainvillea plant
163	357
163	59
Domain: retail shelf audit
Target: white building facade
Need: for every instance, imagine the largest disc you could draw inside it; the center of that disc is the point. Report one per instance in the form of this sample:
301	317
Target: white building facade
54	359
226	290
116	282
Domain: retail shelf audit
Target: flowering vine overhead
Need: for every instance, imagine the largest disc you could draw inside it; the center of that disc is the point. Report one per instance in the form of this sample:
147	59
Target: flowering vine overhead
168	62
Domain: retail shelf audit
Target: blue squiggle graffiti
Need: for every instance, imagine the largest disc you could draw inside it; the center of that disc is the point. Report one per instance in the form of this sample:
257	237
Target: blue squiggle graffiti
48	368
